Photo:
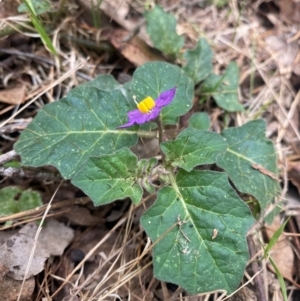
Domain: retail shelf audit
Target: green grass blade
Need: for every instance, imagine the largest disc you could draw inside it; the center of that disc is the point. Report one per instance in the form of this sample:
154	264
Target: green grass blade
274	238
280	278
40	28
271	243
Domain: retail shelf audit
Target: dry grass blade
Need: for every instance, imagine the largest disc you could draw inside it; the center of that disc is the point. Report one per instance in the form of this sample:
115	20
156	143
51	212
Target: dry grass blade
118	265
50	86
35	239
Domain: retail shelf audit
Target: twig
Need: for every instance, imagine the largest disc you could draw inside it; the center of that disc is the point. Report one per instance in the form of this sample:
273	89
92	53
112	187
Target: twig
102	46
180	223
24	173
87	256
40	210
29	55
258	281
48	88
8	157
134	31
41	59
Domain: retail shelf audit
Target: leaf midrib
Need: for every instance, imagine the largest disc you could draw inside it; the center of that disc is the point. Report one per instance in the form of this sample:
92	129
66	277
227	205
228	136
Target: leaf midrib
67	133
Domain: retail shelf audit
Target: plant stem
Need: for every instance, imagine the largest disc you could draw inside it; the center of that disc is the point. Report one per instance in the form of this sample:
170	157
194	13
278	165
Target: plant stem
147	134
160	137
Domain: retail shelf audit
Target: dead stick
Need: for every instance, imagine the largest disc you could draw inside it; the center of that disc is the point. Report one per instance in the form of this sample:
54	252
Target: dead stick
8	157
258	281
24	173
40	210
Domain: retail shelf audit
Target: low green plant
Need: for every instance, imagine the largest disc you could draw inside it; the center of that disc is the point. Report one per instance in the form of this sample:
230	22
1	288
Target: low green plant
14	200
198	222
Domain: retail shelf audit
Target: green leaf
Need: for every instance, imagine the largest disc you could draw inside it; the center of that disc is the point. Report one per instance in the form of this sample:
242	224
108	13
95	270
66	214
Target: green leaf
199	61
81	125
38	6
247	148
199	121
110	177
14	200
13	163
199	229
194	147
153	78
224	88
103	82
161	28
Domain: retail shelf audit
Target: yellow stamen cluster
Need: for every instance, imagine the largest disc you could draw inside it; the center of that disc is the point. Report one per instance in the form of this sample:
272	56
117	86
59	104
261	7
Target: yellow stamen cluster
146	105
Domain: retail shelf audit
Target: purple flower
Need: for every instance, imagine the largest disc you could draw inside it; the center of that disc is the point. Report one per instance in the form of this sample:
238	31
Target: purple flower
148	109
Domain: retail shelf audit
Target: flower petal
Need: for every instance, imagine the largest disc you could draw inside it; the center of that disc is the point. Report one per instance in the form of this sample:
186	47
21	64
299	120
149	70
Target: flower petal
165	98
135	117
126	125
154	114
134	114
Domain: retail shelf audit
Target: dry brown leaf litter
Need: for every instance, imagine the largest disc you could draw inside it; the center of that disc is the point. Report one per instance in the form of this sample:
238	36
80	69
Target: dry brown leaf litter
262	36
16	249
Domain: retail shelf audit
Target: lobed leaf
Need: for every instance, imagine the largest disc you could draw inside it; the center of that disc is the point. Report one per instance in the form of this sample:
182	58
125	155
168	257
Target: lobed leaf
199	229
110	177
161	28
81	125
248	148
224	88
194	147
145	168
198	61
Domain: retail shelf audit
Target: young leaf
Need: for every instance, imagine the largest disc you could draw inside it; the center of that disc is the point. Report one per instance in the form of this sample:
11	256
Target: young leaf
81	125
199	229
161	28
110	177
155	77
145	169
198	61
14	200
224	88
199	121
194	147
247	148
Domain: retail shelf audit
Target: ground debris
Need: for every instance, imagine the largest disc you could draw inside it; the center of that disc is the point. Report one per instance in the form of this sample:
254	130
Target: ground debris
17	249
